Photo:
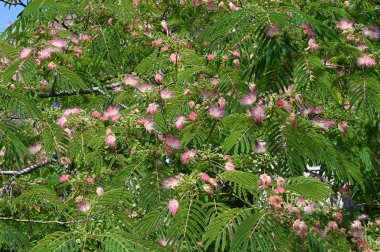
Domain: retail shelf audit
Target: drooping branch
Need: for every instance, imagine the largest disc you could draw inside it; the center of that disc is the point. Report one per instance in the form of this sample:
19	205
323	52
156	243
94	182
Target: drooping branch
76	92
16	174
13	4
46	221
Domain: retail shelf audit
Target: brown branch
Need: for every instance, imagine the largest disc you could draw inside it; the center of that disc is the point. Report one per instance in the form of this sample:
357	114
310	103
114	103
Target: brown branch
46	221
76	92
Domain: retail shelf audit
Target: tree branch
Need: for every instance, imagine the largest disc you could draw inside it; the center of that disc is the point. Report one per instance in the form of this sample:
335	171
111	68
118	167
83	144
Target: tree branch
75	92
47	221
13	4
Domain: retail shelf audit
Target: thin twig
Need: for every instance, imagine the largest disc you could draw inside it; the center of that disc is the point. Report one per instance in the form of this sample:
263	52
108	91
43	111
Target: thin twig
14	4
47	221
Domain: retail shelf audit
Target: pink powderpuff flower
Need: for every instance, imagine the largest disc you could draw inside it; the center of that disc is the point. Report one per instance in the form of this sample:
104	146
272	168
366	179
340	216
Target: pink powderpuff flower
44	54
191	104
265	180
110	139
365	61
186	92
131	80
166	94
193	116
204	176
96	114
61	121
208	189
164	48
187	156
275	201
100	191
173	142
173	206
25	53
35	148
279	190
345	24
163	242
71	111
356	229
236	54
260	147
229	166
174	58
300	227
64	178
111	112
371	32
171	182
233	7
273	30
213	182
159	77
312	45
332	225
216	112
75	39
342	126
308	30
309	208
210	57
180	122
145	87
90	180
248	99
280	181
85	37
152	108
157	42
84	207
57	42
222	103
258	113
164	25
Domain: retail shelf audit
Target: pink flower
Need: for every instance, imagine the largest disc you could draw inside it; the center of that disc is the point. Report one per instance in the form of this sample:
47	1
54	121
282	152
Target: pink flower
265	180
332	225
111	112
166	94
273	31
164	25
131	80
148	124
17	77
25	53
57	42
210	57
345	25
35	148
356	229
152	108
173	142
180	122
171	182
204	176
248	99
84	207
191	104
110	139
157	42
213	182
165	48
173	206
64	178
216	112
275	201
365	61
371	32
44	54
229	166
300	227
90	180
186	92
193	116
280	181
342	126
279	190
208	189
174	58
61	121
308	30
144	87
99	191
236	53
159	77
312	45
85	37
258	113
187	156
163	242
260	147
233	7
96	114
71	111
309	208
